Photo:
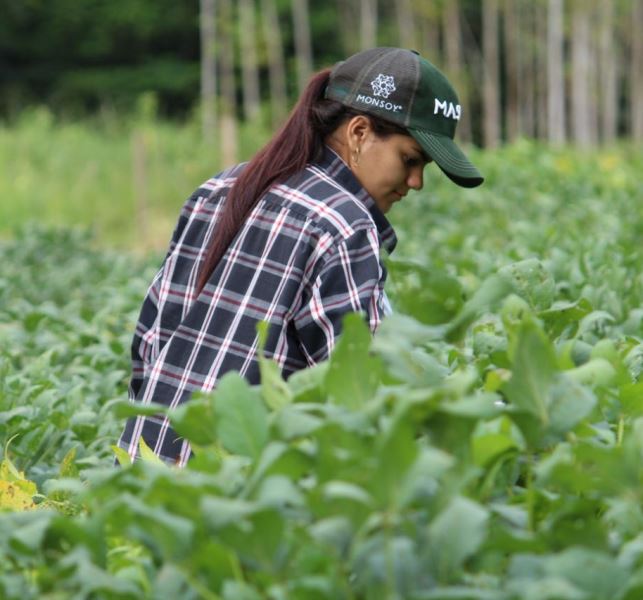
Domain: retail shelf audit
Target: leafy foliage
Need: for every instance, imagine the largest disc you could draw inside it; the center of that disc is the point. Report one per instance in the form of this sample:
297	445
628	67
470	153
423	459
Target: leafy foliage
485	445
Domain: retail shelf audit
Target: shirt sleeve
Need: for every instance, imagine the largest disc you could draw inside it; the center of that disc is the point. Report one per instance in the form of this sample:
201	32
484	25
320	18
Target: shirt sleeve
145	342
351	279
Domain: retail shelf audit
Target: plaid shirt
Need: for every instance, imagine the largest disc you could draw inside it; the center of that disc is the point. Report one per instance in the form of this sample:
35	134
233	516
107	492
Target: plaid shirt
308	254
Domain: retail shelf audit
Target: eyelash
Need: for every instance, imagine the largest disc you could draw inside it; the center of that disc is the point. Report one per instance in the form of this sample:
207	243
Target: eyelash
410	161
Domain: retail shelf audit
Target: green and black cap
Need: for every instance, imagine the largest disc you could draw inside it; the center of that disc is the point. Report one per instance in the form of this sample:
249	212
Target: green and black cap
404	88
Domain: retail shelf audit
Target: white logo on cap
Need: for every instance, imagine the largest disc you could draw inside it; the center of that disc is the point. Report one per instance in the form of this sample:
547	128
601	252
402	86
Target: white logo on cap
450	110
383	85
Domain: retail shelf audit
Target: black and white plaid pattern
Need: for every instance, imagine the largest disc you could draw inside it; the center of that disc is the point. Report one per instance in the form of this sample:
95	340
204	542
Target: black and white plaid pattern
308	254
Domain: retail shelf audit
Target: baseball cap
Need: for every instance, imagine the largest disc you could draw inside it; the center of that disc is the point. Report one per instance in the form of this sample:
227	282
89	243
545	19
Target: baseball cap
402	87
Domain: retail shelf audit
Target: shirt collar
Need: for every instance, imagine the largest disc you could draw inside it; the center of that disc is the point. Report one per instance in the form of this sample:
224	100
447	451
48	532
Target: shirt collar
335	167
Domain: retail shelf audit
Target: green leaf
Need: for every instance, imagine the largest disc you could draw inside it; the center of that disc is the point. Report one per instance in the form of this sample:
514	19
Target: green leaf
533	370
195	420
492	290
395	453
28	537
221	512
486	448
125	409
460	593
242	419
68	467
565	315
530	280
353	375
598	371
237	590
275	391
307	385
455	534
631	397
147	454
424	292
293	422
593	571
569	404
122	455
279	491
344	490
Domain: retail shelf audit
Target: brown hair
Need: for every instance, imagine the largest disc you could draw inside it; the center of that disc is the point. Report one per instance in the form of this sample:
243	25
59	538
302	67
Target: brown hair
299	142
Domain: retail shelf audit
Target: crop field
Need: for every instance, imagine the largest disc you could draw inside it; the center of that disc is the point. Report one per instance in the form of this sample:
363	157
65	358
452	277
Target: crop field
487	444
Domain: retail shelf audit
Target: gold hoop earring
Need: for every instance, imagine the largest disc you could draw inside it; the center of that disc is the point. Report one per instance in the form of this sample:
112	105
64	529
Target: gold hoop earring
356	156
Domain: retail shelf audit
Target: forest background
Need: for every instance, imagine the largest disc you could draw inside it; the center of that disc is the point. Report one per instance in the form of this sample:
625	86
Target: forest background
111	113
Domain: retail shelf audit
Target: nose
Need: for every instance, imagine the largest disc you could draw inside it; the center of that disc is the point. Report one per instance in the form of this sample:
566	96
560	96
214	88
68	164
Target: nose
415	180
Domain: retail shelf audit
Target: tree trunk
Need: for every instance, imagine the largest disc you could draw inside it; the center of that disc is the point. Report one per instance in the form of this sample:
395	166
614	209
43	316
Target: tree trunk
512	68
405	24
208	69
541	71
276	65
303	45
430	34
228	99
608	74
368	23
530	72
491	86
249	63
348	18
636	72
454	61
555	74
583	123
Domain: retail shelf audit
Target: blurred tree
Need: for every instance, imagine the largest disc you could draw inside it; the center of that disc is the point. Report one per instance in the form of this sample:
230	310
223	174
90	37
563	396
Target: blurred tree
276	64
454	62
208	69
529	65
303	45
368	24
511	40
636	70
228	102
405	24
583	115
491	91
347	19
429	17
608	72
555	76
540	69
249	61
80	55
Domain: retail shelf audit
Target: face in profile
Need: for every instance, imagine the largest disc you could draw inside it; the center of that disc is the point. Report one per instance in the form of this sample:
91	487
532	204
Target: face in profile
388	167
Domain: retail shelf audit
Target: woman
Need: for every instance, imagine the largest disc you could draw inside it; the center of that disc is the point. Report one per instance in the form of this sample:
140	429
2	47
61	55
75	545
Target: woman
293	237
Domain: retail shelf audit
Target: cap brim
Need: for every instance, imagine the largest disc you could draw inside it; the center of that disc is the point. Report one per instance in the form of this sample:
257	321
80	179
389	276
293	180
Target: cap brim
448	157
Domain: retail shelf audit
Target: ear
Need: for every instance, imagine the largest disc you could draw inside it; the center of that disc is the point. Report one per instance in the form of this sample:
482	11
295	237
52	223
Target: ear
357	130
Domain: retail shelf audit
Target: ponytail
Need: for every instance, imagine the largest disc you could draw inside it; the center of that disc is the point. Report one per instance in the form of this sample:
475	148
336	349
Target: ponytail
288	152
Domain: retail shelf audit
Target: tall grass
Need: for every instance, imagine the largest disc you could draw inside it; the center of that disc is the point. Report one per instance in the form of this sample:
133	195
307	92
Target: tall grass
84	173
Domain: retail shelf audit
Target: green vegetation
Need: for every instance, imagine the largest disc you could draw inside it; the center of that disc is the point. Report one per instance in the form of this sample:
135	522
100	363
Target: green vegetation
488	446
83	173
